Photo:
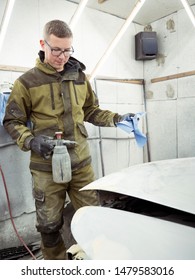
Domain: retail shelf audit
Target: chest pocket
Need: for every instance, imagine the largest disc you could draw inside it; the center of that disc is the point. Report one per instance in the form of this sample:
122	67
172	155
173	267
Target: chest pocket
82	129
79	93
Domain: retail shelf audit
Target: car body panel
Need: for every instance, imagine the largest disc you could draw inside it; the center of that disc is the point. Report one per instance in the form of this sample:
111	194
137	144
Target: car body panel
167	182
108	234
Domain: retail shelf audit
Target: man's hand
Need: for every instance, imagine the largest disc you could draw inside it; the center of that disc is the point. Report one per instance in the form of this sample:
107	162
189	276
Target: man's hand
120	118
40	146
126	117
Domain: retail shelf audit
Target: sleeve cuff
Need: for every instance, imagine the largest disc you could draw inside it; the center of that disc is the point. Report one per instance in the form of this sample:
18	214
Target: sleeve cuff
27	142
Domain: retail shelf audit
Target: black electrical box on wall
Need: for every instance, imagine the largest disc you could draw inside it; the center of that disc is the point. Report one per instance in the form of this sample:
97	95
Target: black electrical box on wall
146	46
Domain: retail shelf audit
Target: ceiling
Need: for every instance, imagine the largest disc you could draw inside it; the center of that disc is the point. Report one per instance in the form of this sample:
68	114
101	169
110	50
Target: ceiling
151	11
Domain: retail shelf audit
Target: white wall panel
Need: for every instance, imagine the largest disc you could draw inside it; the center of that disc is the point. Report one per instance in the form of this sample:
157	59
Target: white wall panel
170	102
186	39
96	32
186	124
21	42
14	164
162	130
167	59
162	90
186	87
118	146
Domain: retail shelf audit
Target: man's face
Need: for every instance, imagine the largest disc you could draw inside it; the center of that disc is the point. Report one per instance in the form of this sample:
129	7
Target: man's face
52	47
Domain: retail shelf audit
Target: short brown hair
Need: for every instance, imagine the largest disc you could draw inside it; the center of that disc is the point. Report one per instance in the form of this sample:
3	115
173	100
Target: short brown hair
58	28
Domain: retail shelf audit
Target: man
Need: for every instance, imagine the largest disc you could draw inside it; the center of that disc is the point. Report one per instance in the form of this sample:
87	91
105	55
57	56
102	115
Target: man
56	96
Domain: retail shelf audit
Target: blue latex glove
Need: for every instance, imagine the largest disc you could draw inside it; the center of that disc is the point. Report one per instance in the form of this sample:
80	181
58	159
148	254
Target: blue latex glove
130	124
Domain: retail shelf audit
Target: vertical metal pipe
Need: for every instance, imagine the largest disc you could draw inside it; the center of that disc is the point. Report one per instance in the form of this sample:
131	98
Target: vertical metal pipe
100	138
146	122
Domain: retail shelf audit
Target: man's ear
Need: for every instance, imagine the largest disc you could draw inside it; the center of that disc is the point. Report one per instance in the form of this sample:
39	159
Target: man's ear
42	43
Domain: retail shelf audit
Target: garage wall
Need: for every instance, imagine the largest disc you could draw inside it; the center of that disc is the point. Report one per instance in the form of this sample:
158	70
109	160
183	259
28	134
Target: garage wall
170	103
118	148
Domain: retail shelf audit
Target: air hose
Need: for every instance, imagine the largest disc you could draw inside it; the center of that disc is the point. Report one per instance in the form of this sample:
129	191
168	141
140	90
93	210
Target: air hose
11	217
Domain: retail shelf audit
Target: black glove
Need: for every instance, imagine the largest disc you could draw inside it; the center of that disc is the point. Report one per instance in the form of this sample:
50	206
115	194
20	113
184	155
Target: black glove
40	146
126	117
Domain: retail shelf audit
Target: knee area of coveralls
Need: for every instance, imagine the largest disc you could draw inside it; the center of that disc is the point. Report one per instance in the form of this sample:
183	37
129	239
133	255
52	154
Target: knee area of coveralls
49	202
51	239
57	252
52	246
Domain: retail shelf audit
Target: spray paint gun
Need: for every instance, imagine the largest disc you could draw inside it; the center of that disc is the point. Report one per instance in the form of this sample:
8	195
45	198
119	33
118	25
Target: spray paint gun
61	163
59	141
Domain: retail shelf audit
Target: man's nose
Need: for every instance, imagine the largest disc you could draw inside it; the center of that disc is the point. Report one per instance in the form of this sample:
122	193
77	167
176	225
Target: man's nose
62	55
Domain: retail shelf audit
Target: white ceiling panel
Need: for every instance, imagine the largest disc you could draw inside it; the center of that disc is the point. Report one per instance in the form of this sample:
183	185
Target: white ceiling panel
151	11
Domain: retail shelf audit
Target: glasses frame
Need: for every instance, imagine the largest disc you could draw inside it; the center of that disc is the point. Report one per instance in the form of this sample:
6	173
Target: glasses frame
66	52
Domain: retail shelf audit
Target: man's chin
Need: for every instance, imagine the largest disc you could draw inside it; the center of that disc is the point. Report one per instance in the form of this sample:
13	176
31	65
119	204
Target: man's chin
59	67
